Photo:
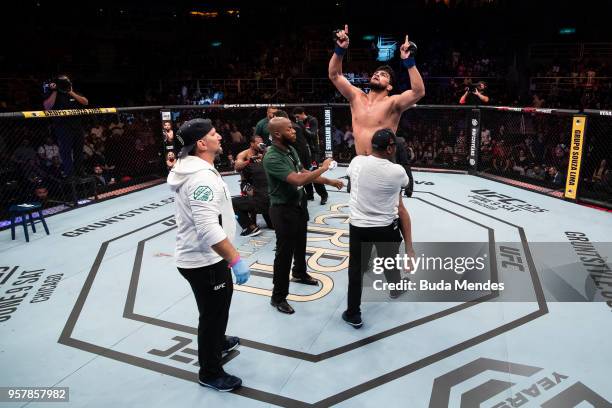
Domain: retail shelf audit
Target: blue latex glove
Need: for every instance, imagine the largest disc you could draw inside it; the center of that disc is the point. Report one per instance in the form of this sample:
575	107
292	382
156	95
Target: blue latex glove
241	271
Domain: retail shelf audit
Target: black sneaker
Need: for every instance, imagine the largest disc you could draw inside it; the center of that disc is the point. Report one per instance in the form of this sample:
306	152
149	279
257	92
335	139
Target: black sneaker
323	200
395	293
250	232
224	383
231	342
354	321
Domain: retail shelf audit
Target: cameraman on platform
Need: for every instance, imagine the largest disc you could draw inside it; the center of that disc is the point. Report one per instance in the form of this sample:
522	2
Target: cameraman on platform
59	95
475	94
254	187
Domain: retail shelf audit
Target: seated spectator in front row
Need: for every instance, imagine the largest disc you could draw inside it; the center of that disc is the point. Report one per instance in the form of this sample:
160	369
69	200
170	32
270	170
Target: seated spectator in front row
103	178
555	176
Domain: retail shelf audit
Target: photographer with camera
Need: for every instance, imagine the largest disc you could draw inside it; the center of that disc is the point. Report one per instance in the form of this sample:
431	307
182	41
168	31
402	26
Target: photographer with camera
59	95
474	94
254	187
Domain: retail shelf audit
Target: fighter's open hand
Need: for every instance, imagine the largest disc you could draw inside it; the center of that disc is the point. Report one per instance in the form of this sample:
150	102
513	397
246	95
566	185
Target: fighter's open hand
405	49
342	37
336	183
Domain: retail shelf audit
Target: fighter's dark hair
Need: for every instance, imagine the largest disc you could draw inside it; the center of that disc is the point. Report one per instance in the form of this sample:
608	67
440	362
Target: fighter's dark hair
298	110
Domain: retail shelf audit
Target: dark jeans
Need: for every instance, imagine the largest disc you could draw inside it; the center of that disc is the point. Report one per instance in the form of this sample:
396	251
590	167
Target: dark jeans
361	240
212	286
290	224
70	143
319	188
247	208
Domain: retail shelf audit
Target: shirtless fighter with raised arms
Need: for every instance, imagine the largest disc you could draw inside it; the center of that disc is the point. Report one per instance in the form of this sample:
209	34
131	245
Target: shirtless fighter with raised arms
377	109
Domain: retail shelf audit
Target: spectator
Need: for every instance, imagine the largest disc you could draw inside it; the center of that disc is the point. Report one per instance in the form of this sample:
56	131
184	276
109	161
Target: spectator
555	176
117	127
168	133
48	150
501	157
521	163
536	173
102	177
24	153
237	138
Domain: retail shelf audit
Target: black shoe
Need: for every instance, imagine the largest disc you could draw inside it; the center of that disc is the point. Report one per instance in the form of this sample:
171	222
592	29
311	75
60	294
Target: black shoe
231	342
354	321
310	198
305	280
224	383
250	232
323	200
395	293
283	307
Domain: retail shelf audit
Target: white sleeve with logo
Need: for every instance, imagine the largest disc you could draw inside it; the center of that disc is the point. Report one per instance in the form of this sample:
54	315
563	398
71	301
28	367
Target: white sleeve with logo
205	194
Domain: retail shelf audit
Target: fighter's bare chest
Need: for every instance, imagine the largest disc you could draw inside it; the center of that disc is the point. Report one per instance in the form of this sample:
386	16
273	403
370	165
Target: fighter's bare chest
373	114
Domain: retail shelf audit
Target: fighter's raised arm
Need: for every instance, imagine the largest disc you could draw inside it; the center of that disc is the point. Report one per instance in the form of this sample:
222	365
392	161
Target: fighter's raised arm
408	98
335	66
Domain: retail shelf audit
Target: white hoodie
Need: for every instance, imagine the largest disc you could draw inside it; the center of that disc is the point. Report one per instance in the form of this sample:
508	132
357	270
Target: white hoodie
201	196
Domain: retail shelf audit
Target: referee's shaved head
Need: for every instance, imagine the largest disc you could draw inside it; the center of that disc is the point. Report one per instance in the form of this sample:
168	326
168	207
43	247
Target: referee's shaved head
281	129
276	124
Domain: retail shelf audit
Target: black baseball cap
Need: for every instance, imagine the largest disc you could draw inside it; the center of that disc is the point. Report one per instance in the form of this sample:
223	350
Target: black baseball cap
190	132
383	138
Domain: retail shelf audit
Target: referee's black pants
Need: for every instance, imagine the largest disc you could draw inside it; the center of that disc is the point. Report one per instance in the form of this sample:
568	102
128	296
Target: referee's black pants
212	286
290	225
361	240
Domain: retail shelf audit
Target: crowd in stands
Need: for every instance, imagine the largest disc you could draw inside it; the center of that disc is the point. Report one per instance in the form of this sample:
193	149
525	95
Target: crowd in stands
116	149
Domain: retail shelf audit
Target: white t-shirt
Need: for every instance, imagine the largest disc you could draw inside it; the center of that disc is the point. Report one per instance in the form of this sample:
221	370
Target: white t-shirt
376	185
49	151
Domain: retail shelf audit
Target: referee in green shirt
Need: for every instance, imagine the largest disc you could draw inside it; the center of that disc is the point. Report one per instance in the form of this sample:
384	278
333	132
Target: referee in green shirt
289	210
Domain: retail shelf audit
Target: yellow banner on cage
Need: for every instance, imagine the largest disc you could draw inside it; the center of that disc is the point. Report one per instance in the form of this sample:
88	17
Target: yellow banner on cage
67	112
575	157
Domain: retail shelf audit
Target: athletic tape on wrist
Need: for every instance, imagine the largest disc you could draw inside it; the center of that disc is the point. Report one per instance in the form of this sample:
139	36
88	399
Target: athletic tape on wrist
408	62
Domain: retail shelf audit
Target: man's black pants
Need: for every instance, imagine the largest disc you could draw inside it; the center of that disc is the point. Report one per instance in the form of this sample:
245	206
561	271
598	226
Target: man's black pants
361	240
319	188
290	225
212	286
247	208
70	143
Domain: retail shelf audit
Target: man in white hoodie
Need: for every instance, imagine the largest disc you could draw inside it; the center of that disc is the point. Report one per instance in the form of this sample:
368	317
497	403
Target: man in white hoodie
204	254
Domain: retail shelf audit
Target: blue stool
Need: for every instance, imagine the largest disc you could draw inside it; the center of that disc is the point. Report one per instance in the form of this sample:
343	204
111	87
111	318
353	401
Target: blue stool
25	210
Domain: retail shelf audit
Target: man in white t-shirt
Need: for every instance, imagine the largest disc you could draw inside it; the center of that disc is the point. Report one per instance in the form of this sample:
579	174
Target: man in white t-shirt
376	187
